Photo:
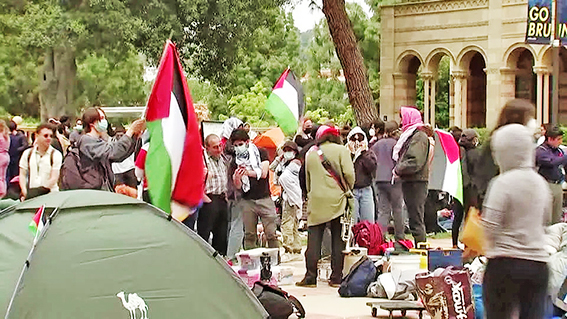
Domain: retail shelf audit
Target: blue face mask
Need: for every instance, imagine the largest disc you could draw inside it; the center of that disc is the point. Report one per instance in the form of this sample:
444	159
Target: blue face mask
101	126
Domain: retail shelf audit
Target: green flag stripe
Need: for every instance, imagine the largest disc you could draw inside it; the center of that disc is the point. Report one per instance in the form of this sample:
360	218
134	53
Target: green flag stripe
281	112
158	168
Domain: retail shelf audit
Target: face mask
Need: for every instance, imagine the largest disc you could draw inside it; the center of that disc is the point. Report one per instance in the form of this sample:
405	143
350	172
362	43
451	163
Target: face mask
101	126
289	155
78	127
242	149
307	130
371	132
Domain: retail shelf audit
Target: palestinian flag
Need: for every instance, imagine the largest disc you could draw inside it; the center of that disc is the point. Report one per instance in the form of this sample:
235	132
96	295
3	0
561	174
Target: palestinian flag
38	222
285	103
446	174
174	164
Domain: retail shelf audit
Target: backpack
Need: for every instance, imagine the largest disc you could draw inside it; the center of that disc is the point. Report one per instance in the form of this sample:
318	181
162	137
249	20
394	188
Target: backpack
278	303
74	176
361	275
368	235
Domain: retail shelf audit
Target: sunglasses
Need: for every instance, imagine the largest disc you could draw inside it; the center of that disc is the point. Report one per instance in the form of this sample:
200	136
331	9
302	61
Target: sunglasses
357	137
47	135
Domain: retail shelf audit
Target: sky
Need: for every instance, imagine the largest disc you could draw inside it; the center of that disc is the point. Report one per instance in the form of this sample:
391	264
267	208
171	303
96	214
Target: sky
306	18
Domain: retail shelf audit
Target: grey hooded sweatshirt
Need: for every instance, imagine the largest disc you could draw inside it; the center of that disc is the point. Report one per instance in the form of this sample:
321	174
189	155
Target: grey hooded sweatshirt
518	201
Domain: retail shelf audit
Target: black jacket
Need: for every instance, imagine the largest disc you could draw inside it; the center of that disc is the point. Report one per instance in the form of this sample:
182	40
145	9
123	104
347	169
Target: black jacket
365	169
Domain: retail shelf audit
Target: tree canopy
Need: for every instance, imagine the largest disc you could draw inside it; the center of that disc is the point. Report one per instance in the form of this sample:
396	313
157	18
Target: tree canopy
62	33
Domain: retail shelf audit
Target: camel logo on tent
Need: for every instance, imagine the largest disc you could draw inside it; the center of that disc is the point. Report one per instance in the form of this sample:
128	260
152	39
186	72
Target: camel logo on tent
134	302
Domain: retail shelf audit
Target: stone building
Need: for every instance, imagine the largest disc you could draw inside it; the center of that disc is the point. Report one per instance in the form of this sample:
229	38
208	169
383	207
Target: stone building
490	63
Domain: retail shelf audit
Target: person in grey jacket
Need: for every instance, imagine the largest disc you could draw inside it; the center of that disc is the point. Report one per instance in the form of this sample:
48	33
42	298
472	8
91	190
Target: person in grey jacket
411	154
98	154
389	195
517	206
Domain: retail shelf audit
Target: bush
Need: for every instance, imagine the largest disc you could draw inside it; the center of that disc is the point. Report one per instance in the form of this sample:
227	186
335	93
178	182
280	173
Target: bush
483	134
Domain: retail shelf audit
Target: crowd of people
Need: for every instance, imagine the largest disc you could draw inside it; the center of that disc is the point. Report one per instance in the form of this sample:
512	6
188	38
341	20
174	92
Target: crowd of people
377	171
32	164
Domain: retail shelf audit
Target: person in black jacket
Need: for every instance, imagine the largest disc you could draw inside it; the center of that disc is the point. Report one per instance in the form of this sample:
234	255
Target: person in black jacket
365	170
411	153
18	143
303	136
469	159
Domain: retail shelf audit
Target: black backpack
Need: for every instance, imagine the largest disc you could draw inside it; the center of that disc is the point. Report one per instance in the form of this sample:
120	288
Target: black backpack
278	303
74	176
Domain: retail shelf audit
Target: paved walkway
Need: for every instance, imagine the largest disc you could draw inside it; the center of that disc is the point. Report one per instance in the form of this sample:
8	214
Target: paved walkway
324	302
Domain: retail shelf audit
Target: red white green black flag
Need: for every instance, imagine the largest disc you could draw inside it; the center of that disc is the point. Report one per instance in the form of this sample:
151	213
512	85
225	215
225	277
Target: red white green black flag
286	103
174	164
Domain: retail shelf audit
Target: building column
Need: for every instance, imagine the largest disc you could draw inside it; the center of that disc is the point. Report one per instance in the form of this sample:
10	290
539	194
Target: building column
426	76
433	100
400	94
388	65
545	116
458	77
465	102
539	71
507	88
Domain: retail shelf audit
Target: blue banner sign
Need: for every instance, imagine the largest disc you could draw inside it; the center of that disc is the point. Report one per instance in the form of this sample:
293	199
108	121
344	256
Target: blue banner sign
539	22
561	20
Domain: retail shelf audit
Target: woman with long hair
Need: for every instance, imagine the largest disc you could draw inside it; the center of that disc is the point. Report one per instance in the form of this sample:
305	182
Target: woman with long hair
516	111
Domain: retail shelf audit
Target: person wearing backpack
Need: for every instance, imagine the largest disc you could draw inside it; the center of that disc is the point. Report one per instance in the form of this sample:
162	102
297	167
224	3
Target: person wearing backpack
96	154
40	165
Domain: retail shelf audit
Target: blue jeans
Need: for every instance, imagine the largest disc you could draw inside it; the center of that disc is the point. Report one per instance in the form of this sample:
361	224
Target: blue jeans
236	232
364	204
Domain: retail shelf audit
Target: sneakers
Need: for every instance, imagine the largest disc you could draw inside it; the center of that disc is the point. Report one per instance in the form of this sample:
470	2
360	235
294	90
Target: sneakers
306	283
334	284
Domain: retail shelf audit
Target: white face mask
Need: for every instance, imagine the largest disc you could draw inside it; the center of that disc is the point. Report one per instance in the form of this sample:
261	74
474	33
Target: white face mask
242	149
372	132
289	155
101	126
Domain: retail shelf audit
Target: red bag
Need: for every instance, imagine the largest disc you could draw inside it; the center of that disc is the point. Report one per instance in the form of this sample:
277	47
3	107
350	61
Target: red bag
368	235
408	244
446	293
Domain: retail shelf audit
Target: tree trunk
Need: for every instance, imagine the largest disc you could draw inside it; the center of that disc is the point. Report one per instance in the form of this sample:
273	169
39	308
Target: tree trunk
358	87
58	78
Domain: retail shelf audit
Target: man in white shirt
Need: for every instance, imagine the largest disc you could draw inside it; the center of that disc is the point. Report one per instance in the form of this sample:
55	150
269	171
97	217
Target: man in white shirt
40	165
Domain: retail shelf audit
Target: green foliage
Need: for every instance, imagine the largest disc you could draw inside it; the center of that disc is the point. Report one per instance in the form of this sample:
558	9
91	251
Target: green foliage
211	95
103	81
249	107
442	93
329	94
483	134
212	37
320	116
272	50
18	72
347	117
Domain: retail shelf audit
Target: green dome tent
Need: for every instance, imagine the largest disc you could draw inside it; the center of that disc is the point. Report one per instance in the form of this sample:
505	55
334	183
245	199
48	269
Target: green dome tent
104	255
